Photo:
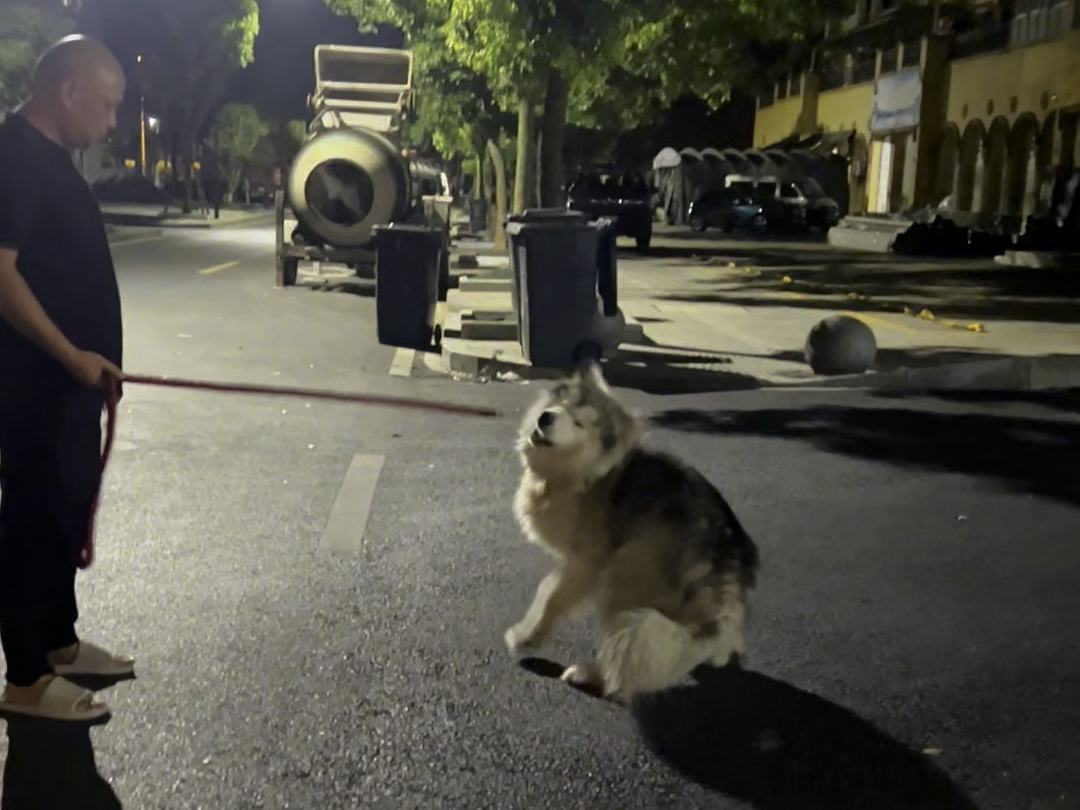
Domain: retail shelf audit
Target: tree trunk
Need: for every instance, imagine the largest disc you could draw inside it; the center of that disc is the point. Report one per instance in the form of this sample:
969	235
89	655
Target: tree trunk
524	173
479	192
234	185
188	168
498	231
553	140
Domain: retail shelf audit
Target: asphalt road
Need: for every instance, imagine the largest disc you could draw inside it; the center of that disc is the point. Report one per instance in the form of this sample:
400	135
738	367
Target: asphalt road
918	592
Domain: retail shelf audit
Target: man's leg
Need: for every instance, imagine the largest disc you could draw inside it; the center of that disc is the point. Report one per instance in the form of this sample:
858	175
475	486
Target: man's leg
36	573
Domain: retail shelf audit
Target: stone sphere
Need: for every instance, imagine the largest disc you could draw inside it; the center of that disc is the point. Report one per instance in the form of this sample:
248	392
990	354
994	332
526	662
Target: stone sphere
840	344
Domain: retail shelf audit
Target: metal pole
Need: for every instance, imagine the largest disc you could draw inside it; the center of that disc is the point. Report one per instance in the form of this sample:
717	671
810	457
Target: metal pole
142	134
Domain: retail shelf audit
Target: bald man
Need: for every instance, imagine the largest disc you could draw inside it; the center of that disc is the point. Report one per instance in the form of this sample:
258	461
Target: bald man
61	341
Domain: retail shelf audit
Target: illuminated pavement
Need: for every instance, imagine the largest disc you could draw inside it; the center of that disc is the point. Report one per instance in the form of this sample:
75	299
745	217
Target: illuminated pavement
920	562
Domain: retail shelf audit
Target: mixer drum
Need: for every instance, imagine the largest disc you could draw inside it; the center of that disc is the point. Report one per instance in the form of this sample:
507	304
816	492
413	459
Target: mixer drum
343	182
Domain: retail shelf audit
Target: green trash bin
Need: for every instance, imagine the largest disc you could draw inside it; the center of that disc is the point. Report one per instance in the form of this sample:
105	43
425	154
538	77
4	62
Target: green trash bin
514	245
555	276
408	261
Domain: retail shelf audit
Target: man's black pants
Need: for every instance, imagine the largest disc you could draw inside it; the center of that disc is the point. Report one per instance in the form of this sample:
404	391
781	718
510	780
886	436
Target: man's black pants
50	467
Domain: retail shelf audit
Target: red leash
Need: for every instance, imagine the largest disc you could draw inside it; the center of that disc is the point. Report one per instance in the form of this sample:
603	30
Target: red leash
112	401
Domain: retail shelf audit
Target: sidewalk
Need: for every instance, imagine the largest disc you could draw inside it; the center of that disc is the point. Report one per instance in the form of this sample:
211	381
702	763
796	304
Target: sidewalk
141	215
128	234
721	315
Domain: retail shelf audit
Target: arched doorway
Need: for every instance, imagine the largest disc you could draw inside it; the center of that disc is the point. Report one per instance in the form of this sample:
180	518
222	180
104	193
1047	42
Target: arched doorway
1049	158
948	156
995	155
1022	175
969	172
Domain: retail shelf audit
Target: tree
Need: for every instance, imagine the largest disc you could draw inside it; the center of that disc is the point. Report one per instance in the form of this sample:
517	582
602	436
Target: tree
26	29
458	112
553	55
704	49
240	135
202	43
286	139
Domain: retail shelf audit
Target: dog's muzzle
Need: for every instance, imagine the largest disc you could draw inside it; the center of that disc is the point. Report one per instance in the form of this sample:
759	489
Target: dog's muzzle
539	436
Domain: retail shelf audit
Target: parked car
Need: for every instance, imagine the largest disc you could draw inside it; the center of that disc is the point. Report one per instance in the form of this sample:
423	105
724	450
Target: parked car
610	191
745	205
764	205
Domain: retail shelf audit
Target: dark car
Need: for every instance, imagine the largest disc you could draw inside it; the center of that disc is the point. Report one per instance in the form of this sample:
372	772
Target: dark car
744	206
607	191
822	211
816	208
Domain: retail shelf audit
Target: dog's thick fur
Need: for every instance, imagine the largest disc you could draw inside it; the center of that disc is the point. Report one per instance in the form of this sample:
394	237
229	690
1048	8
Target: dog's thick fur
648	539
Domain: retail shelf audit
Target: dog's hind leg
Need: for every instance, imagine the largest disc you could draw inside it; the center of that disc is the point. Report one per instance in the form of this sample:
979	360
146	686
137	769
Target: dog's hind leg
731	620
559	593
645	651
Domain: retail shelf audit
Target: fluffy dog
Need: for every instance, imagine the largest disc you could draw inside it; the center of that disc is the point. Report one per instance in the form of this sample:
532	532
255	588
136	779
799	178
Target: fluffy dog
646	538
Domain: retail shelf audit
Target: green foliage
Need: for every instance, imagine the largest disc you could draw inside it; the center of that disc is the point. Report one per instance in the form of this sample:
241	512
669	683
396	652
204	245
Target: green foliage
704	49
243	140
286	140
456	110
202	44
26	29
238	131
624	61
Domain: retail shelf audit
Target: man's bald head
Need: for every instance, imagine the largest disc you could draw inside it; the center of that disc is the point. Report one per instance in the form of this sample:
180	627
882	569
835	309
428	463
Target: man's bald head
77	87
72	58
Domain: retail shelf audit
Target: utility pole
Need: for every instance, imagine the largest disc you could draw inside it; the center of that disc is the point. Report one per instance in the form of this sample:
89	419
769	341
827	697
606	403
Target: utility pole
142	119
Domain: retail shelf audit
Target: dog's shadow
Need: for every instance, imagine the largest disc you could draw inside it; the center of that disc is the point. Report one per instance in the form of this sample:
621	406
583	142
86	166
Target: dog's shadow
778	747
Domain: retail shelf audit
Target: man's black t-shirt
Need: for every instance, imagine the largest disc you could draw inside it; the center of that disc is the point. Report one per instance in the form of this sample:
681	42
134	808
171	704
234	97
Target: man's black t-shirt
49	215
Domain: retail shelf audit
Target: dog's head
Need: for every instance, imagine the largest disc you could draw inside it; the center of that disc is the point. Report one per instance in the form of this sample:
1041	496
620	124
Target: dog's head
577	429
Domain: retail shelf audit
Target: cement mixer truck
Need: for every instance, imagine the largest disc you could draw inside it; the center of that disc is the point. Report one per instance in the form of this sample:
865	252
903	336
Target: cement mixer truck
351	173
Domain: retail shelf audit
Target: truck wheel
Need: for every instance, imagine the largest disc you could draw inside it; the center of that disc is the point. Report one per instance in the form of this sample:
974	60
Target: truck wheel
444	276
287	271
643	243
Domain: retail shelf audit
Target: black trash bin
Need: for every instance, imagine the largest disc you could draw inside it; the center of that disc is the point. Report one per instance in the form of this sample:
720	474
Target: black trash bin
556	280
513	246
478	215
408	260
607	265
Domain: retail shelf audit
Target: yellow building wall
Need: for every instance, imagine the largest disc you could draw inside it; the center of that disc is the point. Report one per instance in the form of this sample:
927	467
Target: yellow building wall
846	108
777	121
1026	73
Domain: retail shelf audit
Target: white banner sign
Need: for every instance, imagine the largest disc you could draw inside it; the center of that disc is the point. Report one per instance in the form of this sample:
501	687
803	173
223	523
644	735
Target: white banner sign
897	100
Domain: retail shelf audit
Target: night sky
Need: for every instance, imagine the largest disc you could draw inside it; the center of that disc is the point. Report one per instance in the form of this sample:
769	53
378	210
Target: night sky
283	74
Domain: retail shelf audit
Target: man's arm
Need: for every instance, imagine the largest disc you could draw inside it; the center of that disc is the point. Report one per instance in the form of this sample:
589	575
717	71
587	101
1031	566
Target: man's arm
21	309
20	205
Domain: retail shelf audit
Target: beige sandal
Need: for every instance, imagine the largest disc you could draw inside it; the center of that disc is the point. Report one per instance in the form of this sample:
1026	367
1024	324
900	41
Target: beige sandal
90	659
61	700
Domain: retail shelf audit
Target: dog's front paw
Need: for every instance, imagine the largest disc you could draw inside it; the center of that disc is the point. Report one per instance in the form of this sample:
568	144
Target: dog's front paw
522	638
585	676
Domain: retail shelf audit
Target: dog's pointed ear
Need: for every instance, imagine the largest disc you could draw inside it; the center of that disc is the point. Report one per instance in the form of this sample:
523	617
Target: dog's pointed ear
592	375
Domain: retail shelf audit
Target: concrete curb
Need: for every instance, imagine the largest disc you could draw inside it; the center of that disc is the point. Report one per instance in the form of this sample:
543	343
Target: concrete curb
488	367
147	221
128	236
1004	374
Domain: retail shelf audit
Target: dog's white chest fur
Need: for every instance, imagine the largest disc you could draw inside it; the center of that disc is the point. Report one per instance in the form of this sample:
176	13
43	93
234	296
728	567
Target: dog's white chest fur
550	515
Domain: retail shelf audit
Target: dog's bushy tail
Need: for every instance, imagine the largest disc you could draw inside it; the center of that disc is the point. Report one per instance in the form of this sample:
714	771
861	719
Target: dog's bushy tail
645	651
